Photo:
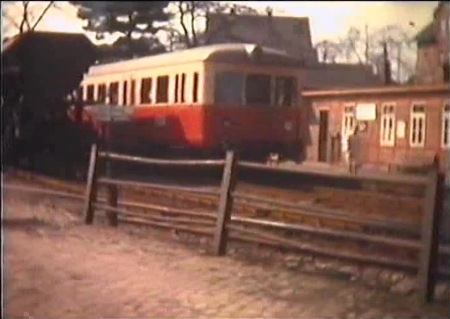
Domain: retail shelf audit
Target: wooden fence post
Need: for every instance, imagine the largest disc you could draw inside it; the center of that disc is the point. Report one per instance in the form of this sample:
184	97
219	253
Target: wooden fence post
430	236
112	198
225	204
91	185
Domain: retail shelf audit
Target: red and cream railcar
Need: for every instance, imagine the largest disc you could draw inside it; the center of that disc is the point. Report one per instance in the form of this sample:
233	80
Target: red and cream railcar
206	98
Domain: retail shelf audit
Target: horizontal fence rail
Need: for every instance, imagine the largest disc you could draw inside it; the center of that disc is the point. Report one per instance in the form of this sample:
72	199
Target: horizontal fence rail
154	161
214	192
315	211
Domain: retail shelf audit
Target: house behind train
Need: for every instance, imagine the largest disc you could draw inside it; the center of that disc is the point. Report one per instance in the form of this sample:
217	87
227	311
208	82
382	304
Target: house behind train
293	36
433	56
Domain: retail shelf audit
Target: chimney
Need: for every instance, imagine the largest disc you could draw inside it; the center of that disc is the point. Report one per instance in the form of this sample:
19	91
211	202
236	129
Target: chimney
387	65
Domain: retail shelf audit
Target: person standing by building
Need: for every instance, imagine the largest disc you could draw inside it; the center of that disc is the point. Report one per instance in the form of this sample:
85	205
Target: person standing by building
354	146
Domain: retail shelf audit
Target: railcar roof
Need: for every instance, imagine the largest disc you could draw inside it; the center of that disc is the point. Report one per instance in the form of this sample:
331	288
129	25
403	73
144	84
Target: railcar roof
233	53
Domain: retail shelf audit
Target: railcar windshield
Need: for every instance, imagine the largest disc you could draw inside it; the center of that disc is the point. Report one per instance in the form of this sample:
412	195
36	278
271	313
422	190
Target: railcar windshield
228	88
284	93
257	89
254	89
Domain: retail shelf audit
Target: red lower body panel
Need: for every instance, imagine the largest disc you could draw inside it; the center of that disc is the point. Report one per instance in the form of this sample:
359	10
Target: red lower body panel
209	127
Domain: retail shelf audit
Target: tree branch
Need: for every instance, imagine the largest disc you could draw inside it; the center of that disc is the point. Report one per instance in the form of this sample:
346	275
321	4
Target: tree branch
192	13
42	15
183	25
11	20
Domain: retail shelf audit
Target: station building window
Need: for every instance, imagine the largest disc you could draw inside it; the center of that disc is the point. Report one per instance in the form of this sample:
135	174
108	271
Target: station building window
446	125
257	89
228	88
417	125
284	92
195	88
146	90
387	131
162	89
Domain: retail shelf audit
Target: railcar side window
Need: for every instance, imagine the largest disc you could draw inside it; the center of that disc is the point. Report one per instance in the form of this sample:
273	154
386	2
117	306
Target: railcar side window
146	90
284	91
114	93
446	125
133	92
125	93
162	89
101	93
176	88
183	85
228	88
195	88
90	93
257	89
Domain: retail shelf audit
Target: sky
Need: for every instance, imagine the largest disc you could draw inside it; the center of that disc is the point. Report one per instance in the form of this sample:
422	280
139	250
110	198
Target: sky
328	20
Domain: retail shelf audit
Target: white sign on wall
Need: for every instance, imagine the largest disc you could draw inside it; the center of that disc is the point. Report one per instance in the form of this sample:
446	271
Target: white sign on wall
366	112
401	129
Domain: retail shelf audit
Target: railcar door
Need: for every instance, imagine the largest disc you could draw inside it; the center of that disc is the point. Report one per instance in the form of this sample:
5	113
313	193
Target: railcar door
323	135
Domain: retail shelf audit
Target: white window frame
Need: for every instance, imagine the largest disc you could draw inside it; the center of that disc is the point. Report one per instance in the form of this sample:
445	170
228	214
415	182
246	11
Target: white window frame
445	118
417	117
348	123
388	124
348	120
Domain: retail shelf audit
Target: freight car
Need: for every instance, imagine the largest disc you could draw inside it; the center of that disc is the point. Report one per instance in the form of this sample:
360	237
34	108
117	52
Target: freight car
205	99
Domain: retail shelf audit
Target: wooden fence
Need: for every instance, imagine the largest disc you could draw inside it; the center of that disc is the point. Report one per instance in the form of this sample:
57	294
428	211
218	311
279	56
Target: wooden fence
220	223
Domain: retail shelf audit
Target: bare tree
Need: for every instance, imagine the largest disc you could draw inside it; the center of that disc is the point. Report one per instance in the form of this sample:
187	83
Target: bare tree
328	51
367	48
30	17
189	14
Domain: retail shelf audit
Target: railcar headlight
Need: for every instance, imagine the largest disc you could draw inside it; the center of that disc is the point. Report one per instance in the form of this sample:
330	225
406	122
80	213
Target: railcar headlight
288	126
226	123
160	122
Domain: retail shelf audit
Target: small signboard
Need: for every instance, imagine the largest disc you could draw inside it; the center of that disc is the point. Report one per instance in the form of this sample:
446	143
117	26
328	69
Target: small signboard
366	112
111	113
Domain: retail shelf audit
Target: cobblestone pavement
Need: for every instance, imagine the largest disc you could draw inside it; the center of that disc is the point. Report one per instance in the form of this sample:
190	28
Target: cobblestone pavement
56	267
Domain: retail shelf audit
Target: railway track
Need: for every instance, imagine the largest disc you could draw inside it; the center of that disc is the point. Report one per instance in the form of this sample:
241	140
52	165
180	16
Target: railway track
199	215
346	214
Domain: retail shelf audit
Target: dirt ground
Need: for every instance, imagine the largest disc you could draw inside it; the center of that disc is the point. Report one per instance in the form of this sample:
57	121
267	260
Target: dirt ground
57	267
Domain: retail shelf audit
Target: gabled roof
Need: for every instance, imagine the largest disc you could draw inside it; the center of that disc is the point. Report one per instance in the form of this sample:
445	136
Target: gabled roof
51	63
340	76
289	34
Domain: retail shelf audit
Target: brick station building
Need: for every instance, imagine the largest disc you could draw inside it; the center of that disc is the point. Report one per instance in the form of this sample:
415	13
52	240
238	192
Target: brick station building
400	125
